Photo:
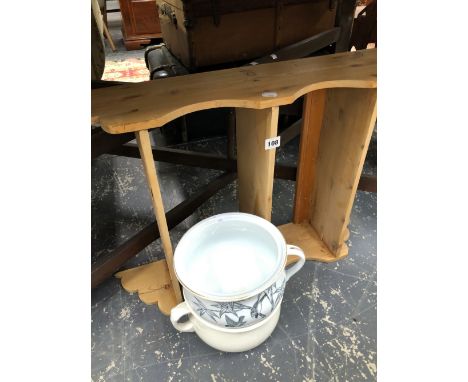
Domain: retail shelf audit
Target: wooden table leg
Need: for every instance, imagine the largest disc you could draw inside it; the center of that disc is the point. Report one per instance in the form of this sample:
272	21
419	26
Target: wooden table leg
312	116
255	165
109	37
348	122
146	154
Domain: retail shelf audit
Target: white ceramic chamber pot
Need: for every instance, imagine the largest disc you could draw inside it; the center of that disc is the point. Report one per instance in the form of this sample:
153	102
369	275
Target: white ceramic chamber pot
232	268
224	339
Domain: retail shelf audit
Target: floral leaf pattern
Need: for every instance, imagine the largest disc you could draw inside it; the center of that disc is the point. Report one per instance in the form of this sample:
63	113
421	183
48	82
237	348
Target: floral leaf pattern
257	307
279	292
234	324
234	313
229	307
202	309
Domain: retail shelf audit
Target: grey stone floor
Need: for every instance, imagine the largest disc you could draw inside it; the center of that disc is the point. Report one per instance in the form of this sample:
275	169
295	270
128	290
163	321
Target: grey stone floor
327	328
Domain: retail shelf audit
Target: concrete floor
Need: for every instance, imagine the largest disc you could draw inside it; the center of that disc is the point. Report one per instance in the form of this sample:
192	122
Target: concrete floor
327	328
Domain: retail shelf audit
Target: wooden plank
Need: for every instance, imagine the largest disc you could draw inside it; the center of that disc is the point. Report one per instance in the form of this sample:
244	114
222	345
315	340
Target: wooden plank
107	265
153	284
291	132
305	237
150	104
146	154
255	165
348	122
312	117
368	183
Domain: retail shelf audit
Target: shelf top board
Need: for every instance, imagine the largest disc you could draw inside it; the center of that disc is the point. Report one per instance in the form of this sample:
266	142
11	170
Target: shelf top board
150	104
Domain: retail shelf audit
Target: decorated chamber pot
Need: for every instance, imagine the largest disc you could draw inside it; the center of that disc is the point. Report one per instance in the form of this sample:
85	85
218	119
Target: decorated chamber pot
224	339
232	269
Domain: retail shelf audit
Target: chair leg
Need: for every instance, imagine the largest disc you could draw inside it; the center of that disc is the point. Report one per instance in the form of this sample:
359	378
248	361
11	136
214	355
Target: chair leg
109	37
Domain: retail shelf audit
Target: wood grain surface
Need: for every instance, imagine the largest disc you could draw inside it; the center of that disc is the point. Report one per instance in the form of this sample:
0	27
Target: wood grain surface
153	284
347	127
312	117
305	237
144	145
255	165
151	104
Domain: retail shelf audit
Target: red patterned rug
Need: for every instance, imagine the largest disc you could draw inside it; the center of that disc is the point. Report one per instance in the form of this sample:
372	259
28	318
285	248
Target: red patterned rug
128	70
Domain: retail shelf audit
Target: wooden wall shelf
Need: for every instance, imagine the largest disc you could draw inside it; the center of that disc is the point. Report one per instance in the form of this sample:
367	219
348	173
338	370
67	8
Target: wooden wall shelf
146	105
338	119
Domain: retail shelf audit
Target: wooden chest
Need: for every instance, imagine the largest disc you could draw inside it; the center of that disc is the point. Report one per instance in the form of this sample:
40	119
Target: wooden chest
208	32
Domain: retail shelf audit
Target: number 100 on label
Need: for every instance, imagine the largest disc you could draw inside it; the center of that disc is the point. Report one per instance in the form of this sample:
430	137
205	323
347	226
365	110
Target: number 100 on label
272	143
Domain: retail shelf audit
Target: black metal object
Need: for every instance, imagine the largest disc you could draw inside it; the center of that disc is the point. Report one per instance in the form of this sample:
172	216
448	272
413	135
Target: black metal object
161	63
